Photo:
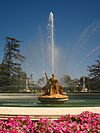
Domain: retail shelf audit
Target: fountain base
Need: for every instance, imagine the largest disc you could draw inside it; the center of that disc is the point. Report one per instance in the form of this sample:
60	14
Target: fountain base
56	99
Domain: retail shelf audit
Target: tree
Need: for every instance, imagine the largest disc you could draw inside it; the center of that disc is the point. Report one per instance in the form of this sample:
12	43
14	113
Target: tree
42	81
94	73
66	82
11	71
66	79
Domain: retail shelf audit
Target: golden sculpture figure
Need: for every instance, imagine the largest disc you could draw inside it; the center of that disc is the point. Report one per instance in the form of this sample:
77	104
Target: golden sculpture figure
52	86
52	91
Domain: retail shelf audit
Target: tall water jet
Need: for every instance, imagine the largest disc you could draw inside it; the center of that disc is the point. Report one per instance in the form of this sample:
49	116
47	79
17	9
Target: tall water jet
51	39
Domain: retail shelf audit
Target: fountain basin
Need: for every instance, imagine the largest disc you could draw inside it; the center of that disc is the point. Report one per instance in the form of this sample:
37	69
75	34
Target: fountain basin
53	99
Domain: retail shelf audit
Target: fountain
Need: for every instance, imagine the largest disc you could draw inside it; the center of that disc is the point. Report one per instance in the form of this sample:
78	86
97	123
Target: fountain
52	92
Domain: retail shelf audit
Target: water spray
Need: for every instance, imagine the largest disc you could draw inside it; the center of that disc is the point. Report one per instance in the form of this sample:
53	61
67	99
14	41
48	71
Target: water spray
51	39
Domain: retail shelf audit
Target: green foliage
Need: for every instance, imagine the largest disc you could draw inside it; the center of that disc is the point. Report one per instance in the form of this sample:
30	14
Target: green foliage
68	83
94	74
66	79
11	75
42	81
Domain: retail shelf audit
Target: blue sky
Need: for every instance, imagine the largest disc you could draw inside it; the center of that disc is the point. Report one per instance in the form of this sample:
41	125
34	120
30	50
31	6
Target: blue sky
77	31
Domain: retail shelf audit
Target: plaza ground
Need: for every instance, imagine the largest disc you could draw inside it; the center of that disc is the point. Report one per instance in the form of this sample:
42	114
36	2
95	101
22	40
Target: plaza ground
51	113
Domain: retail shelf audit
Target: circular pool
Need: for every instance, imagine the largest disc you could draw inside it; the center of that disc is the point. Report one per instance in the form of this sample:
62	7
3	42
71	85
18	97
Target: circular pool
31	100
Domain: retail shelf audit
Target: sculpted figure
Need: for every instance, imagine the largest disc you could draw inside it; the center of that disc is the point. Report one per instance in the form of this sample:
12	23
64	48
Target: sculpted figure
46	89
52	86
52	91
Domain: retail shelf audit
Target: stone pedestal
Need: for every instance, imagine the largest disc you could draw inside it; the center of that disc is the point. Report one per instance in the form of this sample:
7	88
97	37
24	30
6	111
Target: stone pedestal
26	87
84	89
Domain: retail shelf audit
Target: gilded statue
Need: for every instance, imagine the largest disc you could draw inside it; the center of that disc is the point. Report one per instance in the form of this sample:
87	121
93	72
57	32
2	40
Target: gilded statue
52	86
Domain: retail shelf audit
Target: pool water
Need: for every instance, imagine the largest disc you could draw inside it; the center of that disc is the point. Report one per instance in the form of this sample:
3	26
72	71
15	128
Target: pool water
33	102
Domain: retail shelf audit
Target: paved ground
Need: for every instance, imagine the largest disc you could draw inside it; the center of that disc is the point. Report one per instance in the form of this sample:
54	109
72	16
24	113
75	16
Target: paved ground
52	113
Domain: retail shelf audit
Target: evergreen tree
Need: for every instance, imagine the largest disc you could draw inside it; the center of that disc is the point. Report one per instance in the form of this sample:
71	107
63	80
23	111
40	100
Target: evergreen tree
95	75
11	71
